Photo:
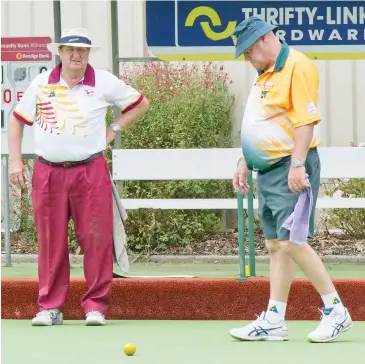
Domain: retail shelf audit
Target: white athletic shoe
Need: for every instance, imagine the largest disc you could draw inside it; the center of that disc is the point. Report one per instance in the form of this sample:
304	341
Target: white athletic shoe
266	327
95	318
332	325
48	318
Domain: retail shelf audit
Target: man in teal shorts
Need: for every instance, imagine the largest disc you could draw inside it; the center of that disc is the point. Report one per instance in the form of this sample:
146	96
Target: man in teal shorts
280	135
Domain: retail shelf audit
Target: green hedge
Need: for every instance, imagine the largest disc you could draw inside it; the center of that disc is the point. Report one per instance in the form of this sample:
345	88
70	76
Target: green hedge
350	221
191	107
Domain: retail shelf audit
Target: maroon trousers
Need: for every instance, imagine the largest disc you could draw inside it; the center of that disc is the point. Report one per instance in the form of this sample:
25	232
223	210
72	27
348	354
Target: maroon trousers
84	193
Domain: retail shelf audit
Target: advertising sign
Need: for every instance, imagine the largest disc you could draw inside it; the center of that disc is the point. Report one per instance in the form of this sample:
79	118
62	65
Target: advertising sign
200	30
22	59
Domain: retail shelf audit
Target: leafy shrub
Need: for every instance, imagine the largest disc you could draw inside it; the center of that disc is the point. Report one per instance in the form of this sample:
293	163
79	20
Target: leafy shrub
190	108
350	221
21	216
22	220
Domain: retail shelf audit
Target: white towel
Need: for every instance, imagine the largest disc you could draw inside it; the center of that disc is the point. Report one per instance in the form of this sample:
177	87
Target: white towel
119	234
298	222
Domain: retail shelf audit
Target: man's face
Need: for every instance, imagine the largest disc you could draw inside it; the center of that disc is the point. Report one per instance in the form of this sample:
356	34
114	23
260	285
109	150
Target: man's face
257	54
74	58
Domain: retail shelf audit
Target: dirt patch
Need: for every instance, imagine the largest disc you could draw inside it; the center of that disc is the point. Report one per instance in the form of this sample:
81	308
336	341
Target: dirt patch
226	243
222	243
22	245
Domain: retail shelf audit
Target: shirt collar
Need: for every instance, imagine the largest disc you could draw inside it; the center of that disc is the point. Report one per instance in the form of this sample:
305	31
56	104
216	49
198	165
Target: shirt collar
281	59
89	76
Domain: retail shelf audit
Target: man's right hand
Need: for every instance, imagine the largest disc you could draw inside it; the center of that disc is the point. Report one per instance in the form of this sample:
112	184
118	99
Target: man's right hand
17	173
240	183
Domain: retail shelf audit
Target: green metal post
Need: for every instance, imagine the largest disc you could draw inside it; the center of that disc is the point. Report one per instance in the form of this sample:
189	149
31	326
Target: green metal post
57	25
241	235
251	228
139	59
115	62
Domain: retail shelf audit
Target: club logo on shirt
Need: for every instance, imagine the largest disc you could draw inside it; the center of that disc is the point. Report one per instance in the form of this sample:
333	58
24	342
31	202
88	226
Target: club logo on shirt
266	87
311	107
89	92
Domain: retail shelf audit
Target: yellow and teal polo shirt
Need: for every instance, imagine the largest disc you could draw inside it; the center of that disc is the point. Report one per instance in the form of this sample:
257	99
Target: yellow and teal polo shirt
282	99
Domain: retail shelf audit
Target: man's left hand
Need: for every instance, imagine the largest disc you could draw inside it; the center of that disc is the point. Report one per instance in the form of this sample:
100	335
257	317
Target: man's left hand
296	179
110	135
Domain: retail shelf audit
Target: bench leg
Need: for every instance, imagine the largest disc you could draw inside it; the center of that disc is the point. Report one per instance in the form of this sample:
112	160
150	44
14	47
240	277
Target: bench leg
241	235
251	228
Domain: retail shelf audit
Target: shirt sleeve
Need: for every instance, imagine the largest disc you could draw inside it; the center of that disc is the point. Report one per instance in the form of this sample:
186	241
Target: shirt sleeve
26	109
120	94
303	99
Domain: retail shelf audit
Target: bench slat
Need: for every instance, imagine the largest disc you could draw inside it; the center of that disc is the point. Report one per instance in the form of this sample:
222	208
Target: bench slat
181	204
340	203
175	164
228	204
219	164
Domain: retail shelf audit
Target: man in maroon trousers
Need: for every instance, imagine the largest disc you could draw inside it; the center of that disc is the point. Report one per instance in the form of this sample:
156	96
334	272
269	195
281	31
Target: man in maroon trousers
67	107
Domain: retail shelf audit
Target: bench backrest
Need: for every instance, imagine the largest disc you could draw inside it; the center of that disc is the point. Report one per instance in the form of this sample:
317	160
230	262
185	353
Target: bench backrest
218	164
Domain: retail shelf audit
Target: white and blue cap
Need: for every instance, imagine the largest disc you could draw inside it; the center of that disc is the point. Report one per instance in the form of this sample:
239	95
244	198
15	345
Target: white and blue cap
248	32
77	37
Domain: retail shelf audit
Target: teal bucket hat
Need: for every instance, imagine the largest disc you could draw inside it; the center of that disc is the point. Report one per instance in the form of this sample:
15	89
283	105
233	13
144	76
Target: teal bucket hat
248	32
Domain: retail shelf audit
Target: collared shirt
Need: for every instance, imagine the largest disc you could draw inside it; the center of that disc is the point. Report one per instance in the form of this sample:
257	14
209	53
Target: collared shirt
70	123
282	98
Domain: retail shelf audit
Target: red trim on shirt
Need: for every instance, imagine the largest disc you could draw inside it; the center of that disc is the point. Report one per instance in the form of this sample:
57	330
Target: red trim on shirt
55	74
132	106
89	76
20	118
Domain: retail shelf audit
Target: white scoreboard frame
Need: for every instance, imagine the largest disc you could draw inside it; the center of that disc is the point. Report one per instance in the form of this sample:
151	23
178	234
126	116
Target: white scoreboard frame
30	70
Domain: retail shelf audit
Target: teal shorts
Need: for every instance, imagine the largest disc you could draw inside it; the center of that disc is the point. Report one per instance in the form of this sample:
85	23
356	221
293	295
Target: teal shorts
276	201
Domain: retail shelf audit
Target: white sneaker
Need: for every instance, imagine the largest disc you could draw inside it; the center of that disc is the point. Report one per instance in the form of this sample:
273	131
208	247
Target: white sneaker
332	325
48	318
266	327
95	318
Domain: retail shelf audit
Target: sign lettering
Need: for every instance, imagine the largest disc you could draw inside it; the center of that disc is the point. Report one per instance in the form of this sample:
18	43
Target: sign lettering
22	60
201	30
7	96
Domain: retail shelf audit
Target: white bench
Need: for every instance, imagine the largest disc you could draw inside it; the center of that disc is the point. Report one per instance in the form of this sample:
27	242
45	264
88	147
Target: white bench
220	164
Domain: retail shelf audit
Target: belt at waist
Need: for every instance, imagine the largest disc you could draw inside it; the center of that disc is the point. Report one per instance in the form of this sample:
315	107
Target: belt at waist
71	163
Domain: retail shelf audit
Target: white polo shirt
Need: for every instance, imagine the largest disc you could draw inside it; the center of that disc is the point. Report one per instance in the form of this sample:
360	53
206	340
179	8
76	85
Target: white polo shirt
69	123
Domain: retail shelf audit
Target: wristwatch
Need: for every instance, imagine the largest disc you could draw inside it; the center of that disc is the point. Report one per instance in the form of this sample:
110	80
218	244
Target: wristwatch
296	163
115	127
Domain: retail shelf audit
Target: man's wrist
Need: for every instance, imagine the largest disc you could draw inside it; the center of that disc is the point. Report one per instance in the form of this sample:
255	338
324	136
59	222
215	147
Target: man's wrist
242	162
300	153
297	163
115	127
16	159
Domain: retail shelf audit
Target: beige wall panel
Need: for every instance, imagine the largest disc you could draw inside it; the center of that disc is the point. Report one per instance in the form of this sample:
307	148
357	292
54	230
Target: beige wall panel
342	104
95	17
26	18
132	30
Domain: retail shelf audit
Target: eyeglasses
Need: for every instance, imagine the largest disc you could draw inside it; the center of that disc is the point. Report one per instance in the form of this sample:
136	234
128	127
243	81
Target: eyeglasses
69	49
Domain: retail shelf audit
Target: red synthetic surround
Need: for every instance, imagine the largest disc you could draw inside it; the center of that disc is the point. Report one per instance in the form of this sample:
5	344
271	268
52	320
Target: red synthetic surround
185	299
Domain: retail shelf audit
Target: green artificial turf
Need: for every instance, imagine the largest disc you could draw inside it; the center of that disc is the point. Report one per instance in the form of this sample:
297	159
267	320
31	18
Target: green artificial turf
170	342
